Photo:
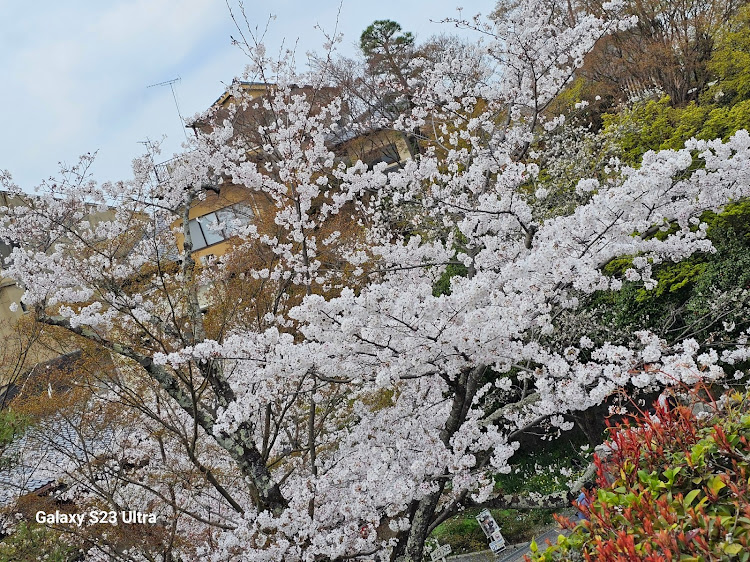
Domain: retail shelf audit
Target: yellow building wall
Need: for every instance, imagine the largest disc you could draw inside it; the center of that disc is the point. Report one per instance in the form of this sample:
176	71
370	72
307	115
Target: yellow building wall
367	146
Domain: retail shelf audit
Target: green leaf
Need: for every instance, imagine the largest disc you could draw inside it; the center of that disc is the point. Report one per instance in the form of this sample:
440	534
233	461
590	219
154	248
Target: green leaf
690	497
671	474
715	484
734	548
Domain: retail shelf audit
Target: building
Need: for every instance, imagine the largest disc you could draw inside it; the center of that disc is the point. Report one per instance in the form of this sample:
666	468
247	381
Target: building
233	206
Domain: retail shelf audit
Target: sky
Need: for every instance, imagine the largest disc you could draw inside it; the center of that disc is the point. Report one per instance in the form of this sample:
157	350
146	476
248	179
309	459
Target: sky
76	73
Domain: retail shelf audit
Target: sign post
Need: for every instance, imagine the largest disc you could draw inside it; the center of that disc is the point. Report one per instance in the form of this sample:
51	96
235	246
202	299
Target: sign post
440	552
492	530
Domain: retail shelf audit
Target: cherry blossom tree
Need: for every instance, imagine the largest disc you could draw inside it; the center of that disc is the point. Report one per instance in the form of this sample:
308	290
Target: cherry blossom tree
333	404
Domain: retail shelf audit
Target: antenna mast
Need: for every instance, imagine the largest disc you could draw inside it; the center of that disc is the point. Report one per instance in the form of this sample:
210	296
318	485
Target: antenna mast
171	84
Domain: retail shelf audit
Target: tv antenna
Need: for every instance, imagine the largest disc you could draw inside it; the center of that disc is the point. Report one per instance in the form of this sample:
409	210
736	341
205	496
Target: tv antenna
171	84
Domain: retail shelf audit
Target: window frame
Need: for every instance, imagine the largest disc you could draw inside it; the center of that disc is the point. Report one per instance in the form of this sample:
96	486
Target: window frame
203	237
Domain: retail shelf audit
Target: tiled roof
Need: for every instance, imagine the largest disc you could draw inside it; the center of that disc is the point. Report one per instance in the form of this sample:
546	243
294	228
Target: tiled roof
44	455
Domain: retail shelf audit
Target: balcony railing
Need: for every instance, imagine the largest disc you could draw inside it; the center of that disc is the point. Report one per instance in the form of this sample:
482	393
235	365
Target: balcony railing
163	170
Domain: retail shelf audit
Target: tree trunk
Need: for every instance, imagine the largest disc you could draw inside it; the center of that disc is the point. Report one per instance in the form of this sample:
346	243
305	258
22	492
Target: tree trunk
423	510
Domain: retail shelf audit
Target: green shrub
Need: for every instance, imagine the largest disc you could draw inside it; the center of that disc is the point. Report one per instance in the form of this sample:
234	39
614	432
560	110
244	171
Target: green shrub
674	488
30	541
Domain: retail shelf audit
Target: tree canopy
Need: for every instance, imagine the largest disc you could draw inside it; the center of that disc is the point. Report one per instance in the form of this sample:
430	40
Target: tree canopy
365	356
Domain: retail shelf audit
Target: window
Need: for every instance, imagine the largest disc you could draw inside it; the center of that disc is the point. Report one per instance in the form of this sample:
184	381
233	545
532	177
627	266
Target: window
217	226
388	154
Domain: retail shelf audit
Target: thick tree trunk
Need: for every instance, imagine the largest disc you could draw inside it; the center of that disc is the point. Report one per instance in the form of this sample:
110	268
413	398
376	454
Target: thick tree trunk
420	527
591	423
411	545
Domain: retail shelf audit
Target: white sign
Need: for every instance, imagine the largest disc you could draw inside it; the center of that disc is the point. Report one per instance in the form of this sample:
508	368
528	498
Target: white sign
497	546
441	552
492	530
487	522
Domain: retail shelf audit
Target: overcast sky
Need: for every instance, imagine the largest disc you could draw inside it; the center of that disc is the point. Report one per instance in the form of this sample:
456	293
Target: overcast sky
75	73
